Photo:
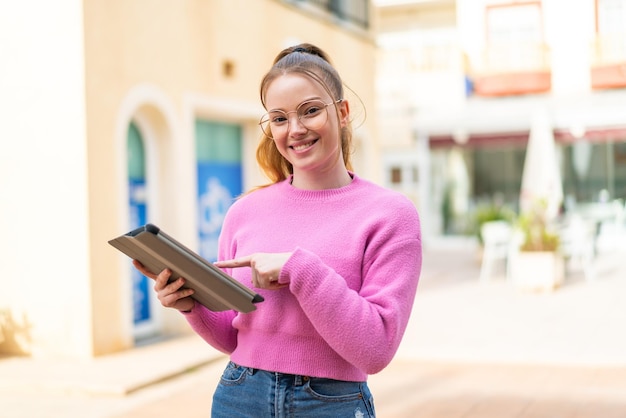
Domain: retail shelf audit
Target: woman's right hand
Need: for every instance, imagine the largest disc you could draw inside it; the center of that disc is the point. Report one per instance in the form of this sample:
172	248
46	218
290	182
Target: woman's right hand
171	295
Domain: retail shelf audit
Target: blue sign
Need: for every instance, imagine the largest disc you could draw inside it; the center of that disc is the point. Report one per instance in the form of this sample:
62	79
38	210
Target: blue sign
218	184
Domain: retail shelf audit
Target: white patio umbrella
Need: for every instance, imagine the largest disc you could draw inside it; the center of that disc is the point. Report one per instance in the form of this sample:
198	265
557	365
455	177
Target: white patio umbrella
541	178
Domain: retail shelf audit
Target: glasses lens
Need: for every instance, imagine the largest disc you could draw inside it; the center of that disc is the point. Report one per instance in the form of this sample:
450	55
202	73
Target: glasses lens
312	114
264	123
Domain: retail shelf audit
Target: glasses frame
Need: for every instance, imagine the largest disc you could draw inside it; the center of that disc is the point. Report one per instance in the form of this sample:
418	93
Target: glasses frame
262	121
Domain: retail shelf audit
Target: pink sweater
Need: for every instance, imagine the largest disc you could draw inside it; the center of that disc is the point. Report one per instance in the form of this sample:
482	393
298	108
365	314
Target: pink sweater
357	256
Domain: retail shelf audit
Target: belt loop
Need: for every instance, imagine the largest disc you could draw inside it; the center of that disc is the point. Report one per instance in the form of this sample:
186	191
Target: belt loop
300	380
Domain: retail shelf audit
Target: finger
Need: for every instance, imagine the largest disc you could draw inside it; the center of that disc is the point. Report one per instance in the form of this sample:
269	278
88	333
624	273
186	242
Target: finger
143	270
175	286
269	285
255	279
172	300
162	279
237	262
276	286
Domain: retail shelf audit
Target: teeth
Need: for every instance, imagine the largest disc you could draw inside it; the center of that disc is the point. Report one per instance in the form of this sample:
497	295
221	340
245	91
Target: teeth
303	146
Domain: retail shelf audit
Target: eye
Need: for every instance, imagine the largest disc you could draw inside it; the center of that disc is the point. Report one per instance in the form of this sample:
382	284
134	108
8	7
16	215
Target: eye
277	118
309	110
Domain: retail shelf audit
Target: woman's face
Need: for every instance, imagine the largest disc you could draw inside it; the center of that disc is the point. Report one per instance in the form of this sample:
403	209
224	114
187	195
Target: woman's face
314	150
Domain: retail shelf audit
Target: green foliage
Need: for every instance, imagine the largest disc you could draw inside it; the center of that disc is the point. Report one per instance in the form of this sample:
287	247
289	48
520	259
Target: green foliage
491	212
537	231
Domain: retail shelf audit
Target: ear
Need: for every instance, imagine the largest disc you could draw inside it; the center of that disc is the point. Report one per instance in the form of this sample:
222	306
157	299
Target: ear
344	113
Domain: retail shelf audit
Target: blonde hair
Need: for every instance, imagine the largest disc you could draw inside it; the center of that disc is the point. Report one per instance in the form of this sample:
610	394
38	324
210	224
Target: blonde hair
311	61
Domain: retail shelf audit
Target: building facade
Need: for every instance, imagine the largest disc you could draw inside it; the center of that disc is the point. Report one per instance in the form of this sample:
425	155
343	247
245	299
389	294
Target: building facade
116	113
461	82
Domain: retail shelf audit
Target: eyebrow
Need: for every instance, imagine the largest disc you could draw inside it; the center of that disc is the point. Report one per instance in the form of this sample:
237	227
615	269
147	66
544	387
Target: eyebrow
299	104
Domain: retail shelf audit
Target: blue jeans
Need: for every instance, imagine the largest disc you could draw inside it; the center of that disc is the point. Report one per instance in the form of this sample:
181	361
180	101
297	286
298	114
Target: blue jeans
244	392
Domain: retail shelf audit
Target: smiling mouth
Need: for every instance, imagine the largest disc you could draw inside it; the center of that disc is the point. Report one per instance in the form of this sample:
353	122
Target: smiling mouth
304	146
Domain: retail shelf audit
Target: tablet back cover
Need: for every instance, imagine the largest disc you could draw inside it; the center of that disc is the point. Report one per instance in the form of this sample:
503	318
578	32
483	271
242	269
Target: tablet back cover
212	287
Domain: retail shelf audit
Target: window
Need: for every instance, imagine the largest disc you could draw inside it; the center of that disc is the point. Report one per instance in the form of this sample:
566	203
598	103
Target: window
611	29
611	16
515	37
396	175
355	12
514	23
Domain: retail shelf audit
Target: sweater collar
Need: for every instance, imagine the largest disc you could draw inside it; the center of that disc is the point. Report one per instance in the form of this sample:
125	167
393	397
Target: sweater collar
301	194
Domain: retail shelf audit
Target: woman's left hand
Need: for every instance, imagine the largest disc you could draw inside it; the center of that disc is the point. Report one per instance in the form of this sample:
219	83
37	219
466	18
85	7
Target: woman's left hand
265	267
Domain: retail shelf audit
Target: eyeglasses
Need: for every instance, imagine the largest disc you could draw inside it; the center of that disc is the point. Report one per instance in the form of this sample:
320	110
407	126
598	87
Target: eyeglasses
312	114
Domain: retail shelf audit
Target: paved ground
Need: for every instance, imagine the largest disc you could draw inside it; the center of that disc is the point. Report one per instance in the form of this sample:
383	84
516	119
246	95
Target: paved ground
471	351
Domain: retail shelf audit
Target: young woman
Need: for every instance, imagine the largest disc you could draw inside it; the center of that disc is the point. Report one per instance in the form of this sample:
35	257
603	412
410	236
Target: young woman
337	259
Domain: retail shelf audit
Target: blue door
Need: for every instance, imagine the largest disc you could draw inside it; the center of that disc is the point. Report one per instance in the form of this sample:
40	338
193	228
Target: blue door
218	154
137	208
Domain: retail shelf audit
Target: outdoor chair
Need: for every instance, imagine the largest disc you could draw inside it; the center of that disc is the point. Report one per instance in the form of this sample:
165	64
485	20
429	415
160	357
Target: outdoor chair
577	245
497	237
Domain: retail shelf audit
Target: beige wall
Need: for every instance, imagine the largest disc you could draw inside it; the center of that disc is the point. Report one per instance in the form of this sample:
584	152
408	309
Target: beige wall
103	63
44	223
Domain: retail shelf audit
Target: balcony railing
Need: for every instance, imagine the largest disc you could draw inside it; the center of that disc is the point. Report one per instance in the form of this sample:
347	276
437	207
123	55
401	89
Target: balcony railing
608	67
512	68
609	49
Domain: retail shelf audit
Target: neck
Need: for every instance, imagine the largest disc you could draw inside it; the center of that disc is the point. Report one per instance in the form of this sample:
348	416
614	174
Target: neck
306	181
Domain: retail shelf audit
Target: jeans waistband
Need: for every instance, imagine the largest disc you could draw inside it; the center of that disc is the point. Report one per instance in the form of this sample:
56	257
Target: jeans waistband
298	380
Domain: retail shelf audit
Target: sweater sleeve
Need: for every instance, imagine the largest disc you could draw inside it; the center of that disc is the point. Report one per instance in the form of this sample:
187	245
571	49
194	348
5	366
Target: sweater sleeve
366	326
213	327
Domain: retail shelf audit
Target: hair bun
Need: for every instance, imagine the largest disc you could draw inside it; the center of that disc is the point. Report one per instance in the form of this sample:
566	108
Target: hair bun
304	48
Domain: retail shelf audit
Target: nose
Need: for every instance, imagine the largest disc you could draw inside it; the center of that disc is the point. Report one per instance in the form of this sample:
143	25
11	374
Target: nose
295	125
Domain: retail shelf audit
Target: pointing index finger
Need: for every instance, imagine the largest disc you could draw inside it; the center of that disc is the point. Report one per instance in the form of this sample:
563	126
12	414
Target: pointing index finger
237	262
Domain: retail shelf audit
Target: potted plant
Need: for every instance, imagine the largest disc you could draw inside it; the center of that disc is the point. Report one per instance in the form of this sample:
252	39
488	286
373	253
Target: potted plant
490	212
538	265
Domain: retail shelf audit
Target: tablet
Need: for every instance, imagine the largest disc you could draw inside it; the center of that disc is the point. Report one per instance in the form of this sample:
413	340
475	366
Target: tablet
212	287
